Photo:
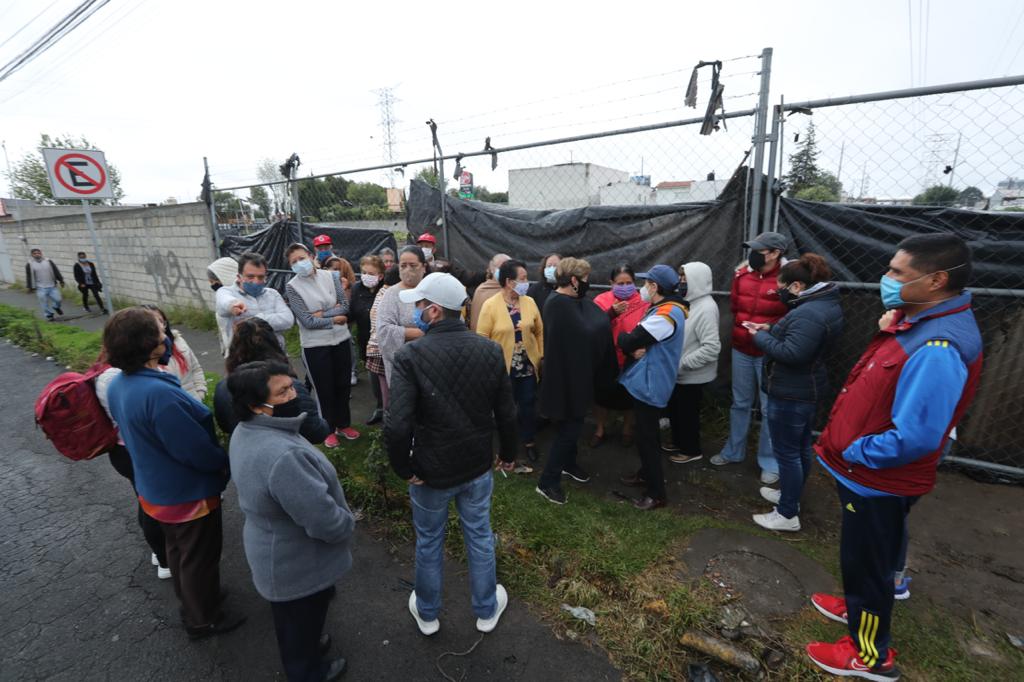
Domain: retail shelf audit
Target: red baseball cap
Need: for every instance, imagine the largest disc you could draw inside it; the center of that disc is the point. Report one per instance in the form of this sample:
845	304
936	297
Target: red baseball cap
321	239
426	237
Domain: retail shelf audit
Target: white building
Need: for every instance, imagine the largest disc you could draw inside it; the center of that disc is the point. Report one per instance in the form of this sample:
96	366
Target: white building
567	185
685	191
627	193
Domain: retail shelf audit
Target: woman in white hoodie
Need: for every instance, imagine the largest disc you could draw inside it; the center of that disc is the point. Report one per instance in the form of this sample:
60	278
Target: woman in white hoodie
698	365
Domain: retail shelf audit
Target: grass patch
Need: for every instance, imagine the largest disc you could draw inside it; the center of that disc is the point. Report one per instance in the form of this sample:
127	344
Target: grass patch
70	346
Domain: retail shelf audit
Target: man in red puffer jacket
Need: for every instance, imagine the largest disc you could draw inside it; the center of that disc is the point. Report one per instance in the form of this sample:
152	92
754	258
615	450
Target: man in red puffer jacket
753	299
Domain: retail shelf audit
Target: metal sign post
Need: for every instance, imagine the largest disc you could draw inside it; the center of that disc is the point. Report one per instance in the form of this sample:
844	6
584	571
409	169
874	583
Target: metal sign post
101	272
82	174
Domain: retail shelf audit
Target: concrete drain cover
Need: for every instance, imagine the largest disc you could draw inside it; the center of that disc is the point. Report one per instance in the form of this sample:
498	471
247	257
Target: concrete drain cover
768	589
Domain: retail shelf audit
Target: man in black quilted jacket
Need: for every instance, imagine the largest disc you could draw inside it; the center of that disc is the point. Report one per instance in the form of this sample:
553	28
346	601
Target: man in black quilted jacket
449	389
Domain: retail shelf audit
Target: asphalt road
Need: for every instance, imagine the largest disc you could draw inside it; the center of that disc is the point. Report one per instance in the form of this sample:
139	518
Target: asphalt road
79	599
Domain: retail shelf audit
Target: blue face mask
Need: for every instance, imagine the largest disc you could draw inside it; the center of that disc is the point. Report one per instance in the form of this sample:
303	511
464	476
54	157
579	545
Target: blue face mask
303	268
254	289
892	290
417	318
168	347
83	260
549	274
891	293
323	255
522	288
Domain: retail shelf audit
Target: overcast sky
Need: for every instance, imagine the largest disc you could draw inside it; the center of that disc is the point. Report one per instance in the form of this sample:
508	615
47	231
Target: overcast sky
159	85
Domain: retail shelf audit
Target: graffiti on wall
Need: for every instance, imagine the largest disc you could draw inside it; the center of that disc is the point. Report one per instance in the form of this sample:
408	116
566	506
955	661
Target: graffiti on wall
174	280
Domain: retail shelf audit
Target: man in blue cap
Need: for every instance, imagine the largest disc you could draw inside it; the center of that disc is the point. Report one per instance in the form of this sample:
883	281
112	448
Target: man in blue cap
653	348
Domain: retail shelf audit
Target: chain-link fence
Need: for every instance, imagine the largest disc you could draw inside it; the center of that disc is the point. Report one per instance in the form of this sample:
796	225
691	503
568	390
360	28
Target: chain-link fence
871	169
862	172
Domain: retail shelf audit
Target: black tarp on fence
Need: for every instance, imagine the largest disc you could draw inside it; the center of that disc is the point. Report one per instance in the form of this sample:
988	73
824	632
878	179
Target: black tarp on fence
858	240
350	243
606	236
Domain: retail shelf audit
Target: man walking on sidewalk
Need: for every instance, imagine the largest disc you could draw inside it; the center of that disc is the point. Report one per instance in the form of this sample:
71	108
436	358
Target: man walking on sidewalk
88	279
886	434
42	277
448	389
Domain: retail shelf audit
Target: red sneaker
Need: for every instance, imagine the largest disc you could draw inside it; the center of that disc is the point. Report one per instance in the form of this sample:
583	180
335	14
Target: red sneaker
843	659
833	608
348	433
331	441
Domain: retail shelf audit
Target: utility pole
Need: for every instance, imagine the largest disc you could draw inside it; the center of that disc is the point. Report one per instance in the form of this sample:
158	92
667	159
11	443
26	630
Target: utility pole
10	179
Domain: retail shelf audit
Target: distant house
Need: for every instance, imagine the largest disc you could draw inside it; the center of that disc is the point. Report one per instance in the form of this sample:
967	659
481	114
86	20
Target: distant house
683	191
567	185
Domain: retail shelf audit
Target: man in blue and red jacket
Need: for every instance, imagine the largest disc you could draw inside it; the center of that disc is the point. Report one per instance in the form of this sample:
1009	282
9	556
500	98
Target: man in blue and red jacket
885	436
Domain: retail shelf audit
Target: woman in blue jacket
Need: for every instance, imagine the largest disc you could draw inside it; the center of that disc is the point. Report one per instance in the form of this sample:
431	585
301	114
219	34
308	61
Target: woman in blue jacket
796	378
180	468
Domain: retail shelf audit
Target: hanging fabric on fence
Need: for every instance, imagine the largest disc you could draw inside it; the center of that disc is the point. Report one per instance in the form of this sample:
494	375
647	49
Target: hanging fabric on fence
715	103
349	243
641	235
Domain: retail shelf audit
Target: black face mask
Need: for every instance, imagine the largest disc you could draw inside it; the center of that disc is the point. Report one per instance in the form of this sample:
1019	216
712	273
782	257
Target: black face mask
216	285
756	260
288	409
682	290
787	297
581	288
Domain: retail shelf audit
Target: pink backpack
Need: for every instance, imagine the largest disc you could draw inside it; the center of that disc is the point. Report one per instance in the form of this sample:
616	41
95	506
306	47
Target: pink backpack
72	417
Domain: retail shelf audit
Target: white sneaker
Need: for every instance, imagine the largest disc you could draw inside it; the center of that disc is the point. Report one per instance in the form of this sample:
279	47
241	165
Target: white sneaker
153	559
426	627
719	461
355	379
163	573
488	624
773	520
664	423
771	494
768	478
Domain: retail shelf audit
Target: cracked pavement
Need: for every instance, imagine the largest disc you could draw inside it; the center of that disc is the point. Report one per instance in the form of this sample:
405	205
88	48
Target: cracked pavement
79	599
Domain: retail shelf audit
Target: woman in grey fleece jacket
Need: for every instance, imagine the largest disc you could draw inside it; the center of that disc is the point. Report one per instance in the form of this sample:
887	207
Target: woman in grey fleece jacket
298	527
698	365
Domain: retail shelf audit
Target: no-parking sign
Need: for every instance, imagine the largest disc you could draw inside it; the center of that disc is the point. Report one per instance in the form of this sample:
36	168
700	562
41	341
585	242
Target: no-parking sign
77	173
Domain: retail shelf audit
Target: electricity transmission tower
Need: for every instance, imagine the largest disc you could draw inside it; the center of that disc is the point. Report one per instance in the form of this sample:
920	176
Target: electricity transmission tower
386	101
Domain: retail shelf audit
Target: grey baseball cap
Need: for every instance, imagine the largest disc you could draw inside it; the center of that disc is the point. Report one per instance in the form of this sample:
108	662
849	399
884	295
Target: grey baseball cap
768	240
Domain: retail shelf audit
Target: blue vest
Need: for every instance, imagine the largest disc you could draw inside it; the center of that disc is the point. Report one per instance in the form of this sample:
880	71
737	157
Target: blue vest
652	378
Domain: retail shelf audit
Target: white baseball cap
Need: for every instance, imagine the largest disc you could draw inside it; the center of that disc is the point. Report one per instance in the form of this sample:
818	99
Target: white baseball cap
437	287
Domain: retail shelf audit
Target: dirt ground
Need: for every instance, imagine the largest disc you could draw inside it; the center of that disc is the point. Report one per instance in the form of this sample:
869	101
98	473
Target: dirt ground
966	551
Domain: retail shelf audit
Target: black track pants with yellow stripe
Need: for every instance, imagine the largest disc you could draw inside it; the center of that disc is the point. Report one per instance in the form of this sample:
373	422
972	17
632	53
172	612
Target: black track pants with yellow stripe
869	549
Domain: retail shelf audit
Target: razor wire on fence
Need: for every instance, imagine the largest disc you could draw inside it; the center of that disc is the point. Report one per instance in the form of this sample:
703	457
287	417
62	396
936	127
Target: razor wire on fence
871	170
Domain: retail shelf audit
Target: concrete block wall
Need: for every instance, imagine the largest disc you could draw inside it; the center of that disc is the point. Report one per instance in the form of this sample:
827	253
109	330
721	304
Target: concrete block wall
150	255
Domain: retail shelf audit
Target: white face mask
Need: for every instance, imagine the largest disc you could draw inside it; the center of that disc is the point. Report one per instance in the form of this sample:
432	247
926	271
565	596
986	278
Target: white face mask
427	252
645	294
369	281
522	288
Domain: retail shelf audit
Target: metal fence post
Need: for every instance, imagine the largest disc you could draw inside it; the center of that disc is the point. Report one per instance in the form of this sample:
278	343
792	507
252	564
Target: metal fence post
760	127
773	141
208	186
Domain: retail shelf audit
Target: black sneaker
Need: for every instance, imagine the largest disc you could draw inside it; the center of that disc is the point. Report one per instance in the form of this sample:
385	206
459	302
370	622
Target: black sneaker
59	310
88	309
336	669
49	318
375	418
576	474
552	495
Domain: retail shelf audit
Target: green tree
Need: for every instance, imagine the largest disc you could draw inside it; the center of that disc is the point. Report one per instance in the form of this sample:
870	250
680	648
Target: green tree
314	196
803	163
338	187
481	193
429	176
969	196
817	193
259	197
937	195
29	180
267	171
367	194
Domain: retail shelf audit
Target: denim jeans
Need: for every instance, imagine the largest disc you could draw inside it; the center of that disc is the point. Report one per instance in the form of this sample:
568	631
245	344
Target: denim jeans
746	383
49	297
562	455
429	518
790	423
524	391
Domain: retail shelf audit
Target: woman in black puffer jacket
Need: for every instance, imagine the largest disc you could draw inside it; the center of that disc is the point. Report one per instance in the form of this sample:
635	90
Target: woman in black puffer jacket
796	378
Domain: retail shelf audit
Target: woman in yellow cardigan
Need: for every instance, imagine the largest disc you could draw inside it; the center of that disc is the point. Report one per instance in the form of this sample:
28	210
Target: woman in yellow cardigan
511	319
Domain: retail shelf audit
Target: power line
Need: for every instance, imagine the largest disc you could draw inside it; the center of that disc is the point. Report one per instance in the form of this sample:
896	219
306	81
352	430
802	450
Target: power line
28	23
62	28
75	49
